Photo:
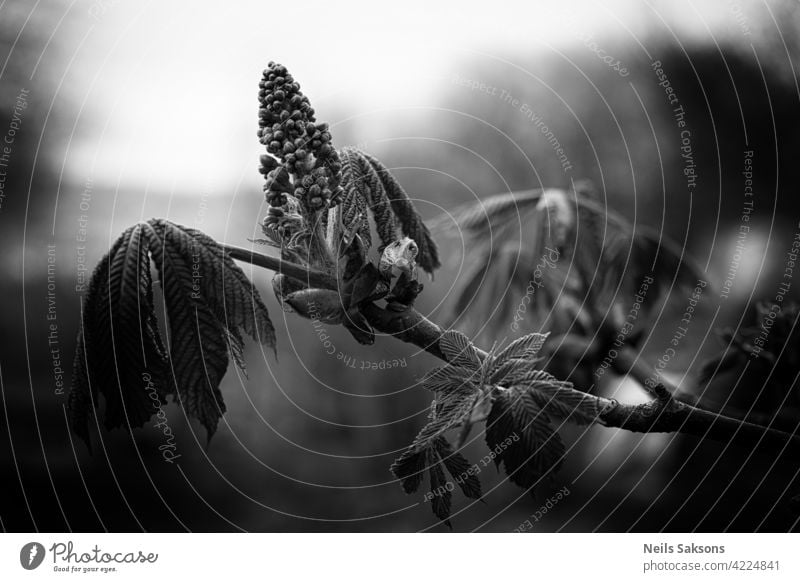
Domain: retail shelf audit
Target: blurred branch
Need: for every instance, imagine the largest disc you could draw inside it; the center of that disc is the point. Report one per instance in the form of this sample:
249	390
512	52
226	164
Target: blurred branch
664	413
629	362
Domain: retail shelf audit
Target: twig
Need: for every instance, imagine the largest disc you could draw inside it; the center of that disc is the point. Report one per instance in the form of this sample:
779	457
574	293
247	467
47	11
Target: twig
663	414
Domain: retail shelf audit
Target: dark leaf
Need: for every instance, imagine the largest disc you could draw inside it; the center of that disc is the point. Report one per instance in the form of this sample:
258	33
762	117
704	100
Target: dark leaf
459	468
409	468
368	285
519	435
119	344
441	498
411	223
121	357
499	426
322	304
359	327
369	186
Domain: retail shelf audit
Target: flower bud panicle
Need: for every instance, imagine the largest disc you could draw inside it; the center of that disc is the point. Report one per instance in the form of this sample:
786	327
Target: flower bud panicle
300	146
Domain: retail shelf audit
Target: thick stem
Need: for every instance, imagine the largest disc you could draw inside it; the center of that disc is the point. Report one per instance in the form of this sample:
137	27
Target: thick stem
409	326
676	416
629	363
659	415
663	414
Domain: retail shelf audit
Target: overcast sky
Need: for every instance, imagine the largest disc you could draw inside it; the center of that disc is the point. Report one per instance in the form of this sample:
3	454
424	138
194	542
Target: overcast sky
167	90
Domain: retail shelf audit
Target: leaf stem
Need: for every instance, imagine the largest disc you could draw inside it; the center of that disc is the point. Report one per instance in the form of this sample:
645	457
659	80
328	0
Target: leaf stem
311	276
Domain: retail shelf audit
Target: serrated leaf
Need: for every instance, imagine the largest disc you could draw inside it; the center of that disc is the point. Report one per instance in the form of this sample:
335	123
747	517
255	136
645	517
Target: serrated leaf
224	286
537	450
458	350
441	498
373	190
79	401
524	348
450	411
197	339
560	400
121	356
446	413
410	221
409	468
355	200
446	378
499	425
459	468
509	372
119	341
369	186
527	376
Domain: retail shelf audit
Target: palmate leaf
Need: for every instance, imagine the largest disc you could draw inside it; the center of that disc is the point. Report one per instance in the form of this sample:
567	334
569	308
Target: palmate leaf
370	187
456	396
521	404
518	427
208	303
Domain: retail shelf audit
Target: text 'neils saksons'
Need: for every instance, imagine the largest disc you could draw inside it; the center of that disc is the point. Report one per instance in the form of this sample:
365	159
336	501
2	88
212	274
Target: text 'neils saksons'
665	548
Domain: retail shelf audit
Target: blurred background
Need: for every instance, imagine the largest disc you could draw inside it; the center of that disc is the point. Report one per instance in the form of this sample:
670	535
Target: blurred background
115	111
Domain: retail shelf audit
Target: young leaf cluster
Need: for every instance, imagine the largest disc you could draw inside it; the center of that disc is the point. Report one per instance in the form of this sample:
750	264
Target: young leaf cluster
519	402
